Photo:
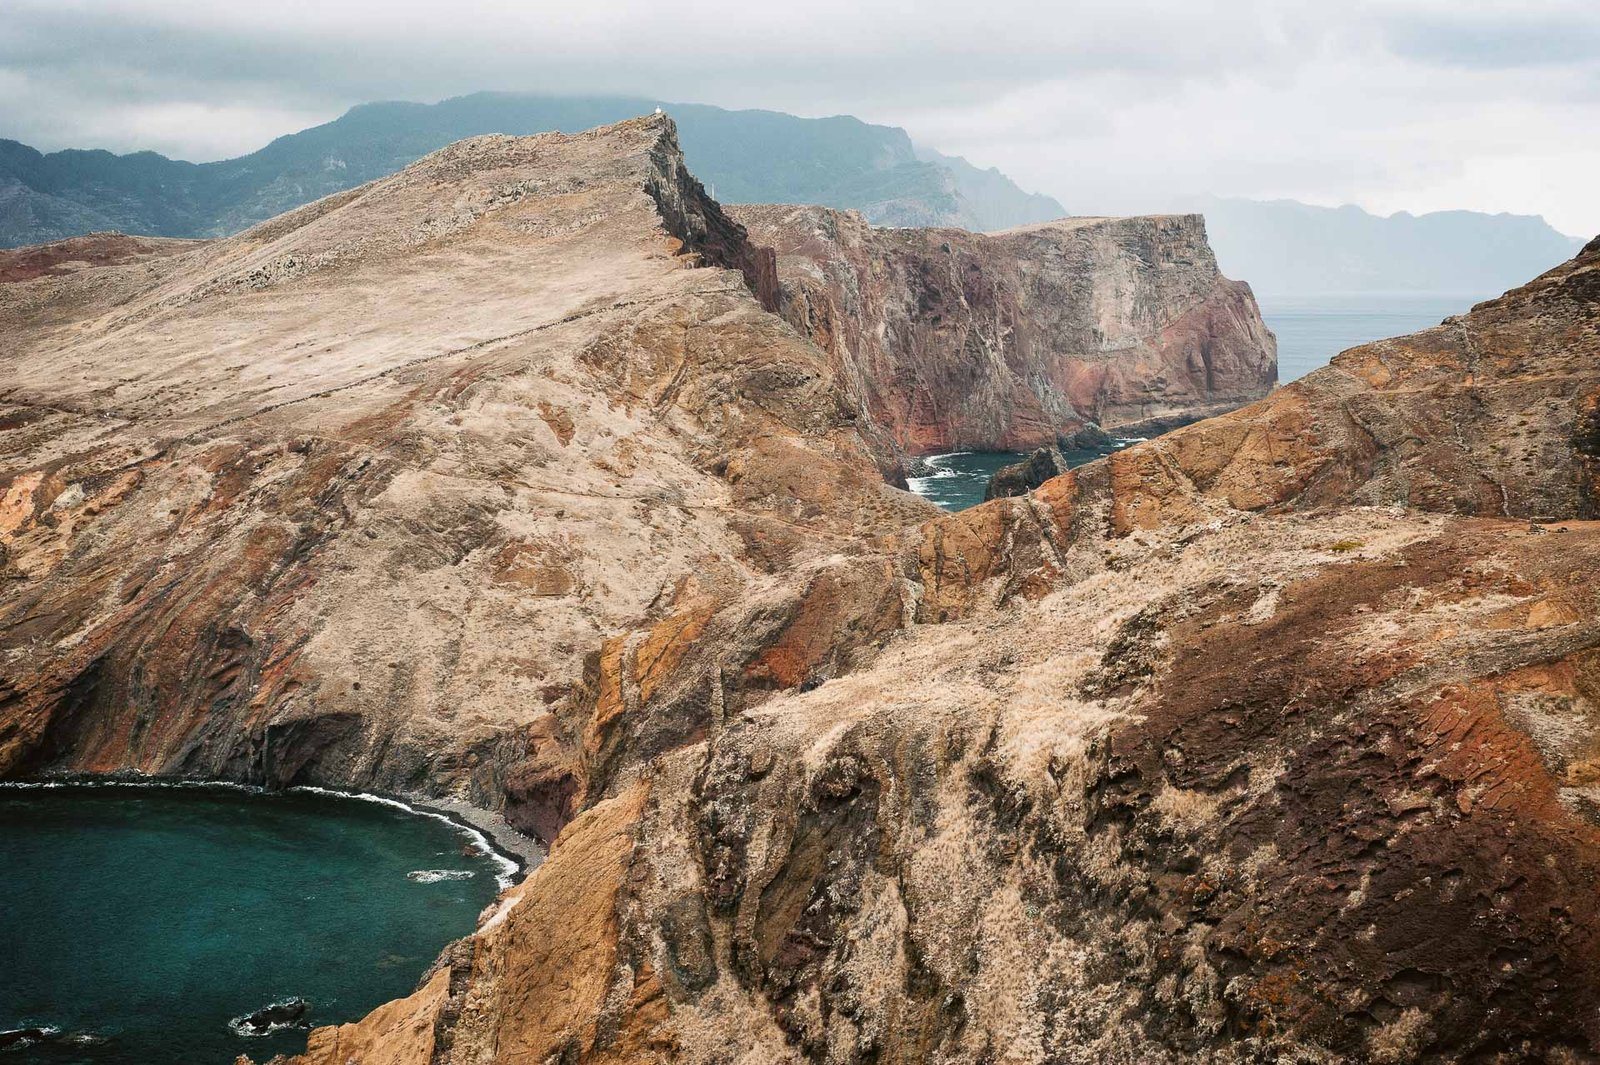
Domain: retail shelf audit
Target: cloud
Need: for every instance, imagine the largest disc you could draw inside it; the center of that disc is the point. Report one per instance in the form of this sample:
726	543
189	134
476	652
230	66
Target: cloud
1106	105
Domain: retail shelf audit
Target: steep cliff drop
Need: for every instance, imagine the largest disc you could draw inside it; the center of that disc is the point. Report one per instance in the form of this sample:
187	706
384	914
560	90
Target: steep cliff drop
1016	340
1271	739
351	498
1202	764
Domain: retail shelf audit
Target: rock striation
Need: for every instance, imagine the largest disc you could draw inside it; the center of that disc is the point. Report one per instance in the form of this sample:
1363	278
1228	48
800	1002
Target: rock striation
1014	340
1266	777
353	497
1272	739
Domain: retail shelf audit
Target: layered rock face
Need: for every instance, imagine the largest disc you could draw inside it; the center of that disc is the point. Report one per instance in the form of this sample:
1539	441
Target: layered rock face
1014	340
1181	775
353	498
1273	739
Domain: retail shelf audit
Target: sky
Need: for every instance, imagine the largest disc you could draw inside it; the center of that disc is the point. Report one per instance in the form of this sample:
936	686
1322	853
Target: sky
1111	107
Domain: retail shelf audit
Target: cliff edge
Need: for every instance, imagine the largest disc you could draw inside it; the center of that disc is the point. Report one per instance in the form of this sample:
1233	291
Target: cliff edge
353	497
1273	738
1018	339
1171	761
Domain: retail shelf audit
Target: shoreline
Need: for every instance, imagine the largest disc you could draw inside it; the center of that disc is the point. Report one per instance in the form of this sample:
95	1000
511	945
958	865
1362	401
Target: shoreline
521	853
528	852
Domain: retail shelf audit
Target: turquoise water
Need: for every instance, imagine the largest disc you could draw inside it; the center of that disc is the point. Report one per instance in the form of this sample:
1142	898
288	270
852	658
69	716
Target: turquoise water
138	922
1313	329
959	478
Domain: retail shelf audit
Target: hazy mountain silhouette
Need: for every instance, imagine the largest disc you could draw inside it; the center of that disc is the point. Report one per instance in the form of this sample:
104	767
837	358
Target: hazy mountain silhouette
748	156
1286	248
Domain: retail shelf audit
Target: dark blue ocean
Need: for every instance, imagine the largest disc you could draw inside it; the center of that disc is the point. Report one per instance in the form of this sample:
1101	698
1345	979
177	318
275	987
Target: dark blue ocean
1313	329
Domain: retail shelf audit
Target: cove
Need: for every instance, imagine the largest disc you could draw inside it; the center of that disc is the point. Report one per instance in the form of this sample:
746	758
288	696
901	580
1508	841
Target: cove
956	480
141	923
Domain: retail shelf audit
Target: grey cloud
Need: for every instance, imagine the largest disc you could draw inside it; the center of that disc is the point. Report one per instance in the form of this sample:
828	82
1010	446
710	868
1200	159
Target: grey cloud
1090	100
1523	36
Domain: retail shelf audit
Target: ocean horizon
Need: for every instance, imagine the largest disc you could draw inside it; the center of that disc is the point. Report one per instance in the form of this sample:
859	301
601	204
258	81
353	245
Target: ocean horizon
1311	330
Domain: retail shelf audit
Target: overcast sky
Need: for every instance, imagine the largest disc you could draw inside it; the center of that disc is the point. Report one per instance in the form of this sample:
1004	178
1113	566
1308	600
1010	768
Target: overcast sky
1109	106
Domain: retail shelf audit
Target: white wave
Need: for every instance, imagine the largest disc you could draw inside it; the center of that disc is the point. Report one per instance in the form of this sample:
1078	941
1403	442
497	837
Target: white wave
504	878
434	876
242	1026
923	485
30	1034
508	868
86	1039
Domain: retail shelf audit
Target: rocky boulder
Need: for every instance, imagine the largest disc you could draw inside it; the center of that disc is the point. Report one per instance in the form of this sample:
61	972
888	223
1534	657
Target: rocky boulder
1020	478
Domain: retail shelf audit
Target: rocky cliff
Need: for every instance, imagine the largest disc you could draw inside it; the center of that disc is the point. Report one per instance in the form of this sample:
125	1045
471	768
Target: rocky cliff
353	497
753	156
1012	340
1273	739
1265	776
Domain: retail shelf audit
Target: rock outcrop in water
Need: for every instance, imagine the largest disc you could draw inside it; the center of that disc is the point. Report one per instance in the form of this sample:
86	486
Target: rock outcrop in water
1020	478
274	1017
1273	739
1014	340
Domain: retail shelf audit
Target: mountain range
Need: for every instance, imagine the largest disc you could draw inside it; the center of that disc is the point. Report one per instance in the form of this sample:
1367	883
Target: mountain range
1291	249
1282	247
744	156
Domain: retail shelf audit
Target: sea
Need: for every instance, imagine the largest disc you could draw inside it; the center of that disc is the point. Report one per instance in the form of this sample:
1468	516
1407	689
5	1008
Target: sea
957	480
1313	329
146	923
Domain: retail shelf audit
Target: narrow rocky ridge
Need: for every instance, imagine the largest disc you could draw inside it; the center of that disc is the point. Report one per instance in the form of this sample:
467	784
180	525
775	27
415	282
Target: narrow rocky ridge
344	499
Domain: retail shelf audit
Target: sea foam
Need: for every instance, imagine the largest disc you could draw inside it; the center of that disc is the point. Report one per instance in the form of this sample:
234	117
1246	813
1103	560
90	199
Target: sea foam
434	876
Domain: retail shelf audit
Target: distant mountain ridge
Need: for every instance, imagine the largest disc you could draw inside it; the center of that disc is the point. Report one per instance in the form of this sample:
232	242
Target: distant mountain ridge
1291	249
747	156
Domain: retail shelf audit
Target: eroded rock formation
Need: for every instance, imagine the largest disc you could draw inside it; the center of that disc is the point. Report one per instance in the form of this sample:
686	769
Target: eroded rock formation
1020	478
351	498
1014	340
1273	739
1265	777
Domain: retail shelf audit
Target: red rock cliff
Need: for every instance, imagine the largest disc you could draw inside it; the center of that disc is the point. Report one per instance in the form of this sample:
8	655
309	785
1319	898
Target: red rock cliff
953	339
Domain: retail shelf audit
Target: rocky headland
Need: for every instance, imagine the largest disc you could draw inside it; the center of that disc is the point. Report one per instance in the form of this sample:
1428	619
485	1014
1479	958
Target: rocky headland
1271	739
1009	341
1240	745
354	498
